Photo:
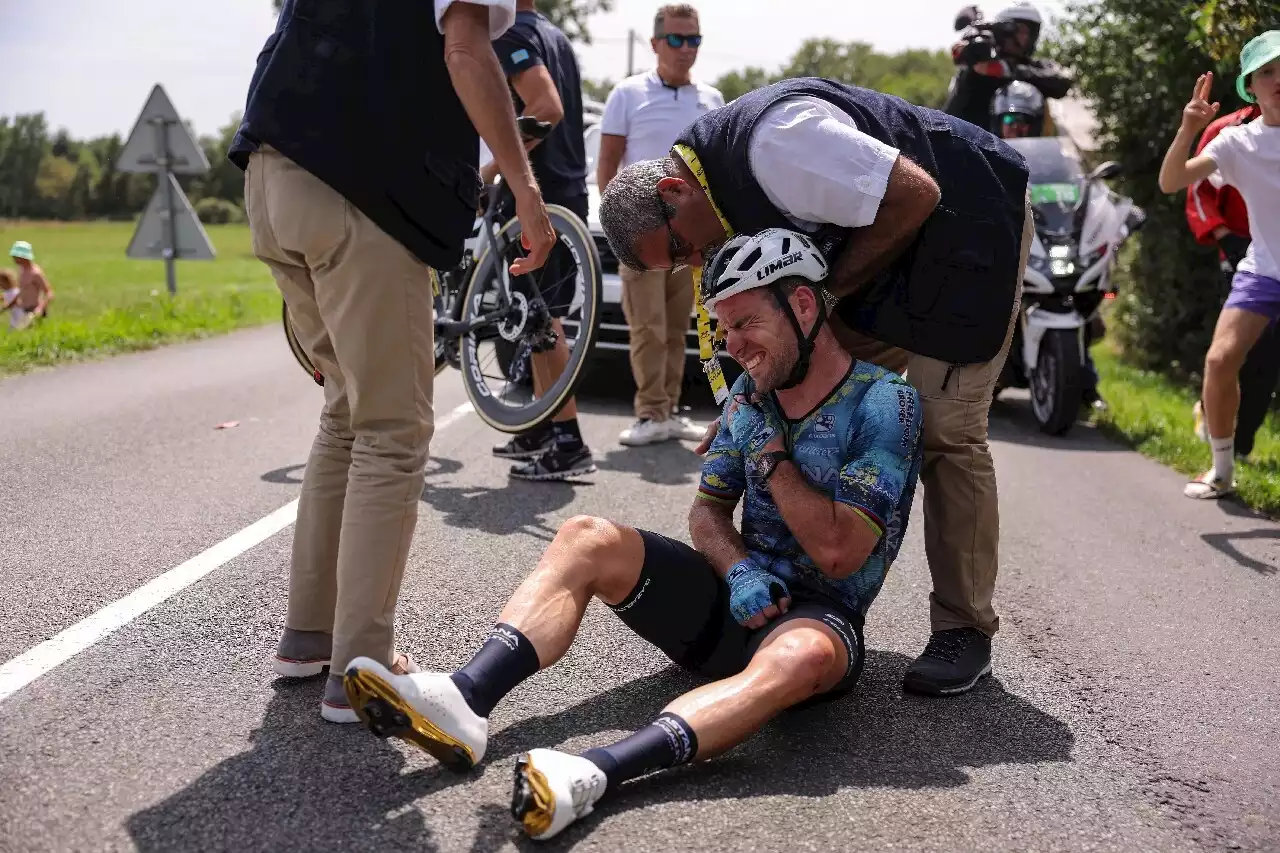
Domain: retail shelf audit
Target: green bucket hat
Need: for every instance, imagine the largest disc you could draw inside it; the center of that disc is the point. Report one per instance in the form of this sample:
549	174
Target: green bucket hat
1256	54
22	249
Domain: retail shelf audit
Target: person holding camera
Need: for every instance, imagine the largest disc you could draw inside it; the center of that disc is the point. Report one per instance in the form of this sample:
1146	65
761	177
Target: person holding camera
991	54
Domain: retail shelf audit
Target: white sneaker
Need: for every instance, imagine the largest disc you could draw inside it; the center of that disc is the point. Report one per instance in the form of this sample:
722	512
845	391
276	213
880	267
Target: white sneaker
682	428
424	708
553	789
645	431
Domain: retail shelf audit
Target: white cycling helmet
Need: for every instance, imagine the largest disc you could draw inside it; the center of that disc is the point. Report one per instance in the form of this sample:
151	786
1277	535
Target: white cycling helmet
765	260
760	260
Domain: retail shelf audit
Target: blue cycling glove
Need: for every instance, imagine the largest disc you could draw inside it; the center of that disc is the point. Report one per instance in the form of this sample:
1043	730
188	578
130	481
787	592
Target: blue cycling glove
752	589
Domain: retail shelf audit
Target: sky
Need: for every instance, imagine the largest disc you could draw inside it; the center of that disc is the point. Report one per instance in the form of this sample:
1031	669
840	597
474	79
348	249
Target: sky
89	64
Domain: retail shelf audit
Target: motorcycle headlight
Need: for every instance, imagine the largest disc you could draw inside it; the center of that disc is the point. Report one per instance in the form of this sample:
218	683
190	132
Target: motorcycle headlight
1062	260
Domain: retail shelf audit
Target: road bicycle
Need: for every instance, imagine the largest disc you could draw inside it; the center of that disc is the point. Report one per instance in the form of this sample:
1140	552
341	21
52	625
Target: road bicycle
489	324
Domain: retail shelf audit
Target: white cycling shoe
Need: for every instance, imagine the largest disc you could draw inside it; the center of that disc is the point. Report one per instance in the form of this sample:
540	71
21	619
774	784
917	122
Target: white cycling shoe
424	708
552	790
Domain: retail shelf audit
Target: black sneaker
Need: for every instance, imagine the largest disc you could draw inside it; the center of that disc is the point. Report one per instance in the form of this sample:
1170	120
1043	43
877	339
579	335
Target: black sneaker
951	663
525	446
557	464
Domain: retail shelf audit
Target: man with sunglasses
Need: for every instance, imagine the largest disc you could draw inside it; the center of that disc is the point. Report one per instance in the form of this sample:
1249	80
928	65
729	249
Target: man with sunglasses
927	223
642	118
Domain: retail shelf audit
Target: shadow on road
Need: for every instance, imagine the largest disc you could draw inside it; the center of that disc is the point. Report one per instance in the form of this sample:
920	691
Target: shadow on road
284	793
671	463
290	475
876	737
1012	421
1225	543
518	507
307	785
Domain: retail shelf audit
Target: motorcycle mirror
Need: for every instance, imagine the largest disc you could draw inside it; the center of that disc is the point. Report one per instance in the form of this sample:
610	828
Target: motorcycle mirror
1108	169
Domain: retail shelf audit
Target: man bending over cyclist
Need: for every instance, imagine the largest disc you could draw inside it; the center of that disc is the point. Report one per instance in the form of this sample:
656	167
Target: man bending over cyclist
824	449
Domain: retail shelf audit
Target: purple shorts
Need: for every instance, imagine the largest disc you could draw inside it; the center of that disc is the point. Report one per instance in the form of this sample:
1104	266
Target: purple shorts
1255	293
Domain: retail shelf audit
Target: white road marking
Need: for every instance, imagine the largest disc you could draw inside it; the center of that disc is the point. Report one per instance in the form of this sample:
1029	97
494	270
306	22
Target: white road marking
33	663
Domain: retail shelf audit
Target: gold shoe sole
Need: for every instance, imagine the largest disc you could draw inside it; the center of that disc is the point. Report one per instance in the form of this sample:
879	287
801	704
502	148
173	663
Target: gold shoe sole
382	709
532	802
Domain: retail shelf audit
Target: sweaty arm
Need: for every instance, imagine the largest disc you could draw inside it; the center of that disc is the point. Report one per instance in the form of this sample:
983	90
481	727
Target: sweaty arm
839	535
816	166
482	88
711	525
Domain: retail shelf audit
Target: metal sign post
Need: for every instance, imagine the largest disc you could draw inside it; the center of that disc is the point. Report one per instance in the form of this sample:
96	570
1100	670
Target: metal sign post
169	228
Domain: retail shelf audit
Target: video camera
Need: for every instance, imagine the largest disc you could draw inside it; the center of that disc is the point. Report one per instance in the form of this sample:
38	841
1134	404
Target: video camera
981	38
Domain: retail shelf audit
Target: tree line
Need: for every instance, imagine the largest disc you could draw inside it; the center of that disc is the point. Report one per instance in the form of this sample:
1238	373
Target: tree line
50	175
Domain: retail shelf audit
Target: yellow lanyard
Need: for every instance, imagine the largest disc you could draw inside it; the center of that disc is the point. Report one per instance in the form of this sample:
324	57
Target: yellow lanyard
706	340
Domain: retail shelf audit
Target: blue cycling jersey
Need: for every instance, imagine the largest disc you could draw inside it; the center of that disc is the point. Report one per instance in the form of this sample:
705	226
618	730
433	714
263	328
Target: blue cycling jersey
860	446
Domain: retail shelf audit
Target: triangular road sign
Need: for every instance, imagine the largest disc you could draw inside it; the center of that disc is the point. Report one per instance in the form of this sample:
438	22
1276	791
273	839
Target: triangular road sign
145	152
151	238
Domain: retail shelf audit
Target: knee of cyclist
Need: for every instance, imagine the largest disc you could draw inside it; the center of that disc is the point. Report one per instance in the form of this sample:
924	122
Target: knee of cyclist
801	658
591	540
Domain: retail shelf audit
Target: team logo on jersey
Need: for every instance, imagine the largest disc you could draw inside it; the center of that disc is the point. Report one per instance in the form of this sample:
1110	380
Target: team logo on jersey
825	423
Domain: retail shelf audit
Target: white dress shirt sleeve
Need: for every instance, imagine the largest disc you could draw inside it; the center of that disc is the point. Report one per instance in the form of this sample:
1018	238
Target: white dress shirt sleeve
502	14
815	165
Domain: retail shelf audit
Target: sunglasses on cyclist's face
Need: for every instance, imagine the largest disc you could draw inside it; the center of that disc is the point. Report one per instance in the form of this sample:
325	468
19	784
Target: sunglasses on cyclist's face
678	41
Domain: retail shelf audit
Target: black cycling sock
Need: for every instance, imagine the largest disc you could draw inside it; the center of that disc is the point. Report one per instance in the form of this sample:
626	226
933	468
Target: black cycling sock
668	741
568	436
506	659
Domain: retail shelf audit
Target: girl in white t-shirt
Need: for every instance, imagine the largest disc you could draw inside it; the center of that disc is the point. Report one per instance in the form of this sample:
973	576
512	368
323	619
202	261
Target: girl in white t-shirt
1248	156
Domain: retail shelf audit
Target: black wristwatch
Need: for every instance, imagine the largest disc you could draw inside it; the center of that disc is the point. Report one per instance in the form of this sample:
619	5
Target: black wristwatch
769	463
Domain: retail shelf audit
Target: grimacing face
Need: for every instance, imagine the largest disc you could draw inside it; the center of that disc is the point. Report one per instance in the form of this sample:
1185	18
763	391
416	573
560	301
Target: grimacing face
760	337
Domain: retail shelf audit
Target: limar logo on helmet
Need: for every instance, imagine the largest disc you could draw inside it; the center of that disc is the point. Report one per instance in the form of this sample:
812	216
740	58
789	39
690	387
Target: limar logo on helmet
778	264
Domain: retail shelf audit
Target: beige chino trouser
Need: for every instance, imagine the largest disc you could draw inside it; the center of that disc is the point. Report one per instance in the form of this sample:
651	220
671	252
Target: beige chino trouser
361	305
961	507
657	305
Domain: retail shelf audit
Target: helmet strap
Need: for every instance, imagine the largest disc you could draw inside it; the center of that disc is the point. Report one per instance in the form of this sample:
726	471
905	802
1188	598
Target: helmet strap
803	342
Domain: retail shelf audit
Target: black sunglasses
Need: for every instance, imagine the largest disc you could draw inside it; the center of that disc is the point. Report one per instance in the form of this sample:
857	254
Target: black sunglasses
675	40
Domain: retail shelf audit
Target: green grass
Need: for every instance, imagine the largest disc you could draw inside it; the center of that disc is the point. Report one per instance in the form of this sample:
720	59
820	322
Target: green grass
105	303
1153	414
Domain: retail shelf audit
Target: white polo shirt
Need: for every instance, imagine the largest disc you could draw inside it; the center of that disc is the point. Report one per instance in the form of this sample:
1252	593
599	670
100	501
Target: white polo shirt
650	114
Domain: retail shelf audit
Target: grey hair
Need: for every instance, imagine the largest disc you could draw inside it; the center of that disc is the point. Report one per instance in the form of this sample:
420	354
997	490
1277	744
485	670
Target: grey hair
630	206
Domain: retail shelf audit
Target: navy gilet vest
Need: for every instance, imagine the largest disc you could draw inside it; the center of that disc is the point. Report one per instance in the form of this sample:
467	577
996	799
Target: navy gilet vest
358	94
951	293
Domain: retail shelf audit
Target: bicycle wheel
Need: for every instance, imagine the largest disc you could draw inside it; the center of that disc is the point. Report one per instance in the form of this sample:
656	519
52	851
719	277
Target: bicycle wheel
494	372
296	348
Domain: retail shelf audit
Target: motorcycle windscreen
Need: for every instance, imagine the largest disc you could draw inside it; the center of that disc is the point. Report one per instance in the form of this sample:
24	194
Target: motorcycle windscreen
1056	181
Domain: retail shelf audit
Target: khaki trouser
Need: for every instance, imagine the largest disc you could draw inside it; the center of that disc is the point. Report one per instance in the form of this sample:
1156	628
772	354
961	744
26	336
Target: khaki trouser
657	305
961	508
361	306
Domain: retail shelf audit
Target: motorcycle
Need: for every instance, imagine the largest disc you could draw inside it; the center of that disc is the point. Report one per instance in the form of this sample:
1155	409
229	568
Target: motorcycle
1080	224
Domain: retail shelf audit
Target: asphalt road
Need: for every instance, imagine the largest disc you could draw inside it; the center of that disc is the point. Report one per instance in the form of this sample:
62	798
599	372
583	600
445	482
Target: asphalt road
1135	703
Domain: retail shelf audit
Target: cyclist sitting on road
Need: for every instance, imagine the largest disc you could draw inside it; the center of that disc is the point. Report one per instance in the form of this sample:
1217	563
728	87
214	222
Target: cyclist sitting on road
826	451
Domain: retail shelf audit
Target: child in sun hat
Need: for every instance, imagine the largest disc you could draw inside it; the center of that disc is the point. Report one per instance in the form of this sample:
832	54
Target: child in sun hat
1248	156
